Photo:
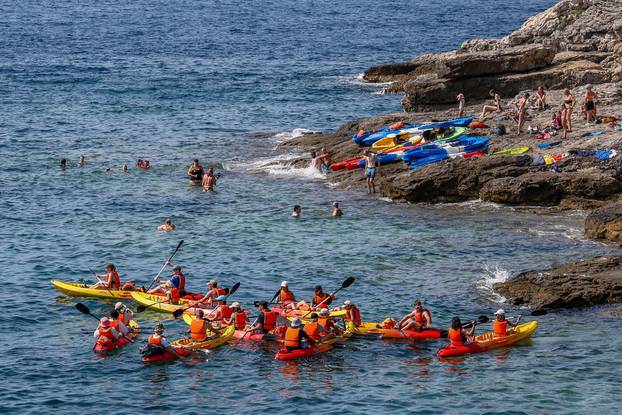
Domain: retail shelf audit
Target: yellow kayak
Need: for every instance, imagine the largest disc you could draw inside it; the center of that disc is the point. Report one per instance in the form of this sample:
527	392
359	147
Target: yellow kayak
512	151
78	289
392	140
158	302
225	335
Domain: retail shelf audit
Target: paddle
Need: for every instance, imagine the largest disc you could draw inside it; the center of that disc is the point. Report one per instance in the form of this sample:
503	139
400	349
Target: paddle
165	264
85	310
348	282
232	290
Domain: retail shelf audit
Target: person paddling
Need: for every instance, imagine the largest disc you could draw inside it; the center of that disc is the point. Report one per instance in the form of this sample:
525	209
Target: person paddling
158	340
117	324
105	335
313	328
195	172
320	298
418	319
286	297
176	285
500	324
200	326
125	314
352	313
213	292
223	311
238	317
295	336
457	334
111	281
266	321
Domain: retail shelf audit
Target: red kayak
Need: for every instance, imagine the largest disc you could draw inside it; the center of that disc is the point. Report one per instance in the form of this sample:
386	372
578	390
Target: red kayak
284	354
166	356
111	347
429	333
254	337
451	350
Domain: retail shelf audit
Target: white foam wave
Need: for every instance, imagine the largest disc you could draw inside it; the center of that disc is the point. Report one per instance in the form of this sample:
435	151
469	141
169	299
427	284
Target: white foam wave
290	135
280	165
493	274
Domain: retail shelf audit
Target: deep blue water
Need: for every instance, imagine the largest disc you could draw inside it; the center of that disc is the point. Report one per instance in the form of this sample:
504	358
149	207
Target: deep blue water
171	81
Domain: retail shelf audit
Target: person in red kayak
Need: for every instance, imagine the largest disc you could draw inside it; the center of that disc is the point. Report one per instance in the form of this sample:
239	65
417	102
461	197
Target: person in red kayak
212	292
105	335
327	323
200	326
125	314
117	324
320	298
352	313
295	336
457	334
158	340
111	281
313	328
266	321
500	324
238	317
418	319
223	311
176	285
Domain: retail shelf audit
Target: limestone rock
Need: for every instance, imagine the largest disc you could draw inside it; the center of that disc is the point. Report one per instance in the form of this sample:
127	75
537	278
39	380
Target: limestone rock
605	223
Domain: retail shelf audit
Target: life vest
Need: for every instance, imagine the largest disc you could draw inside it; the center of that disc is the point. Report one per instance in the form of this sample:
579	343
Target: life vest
286	296
240	320
312	329
269	320
122	318
455	336
361	133
225	311
357	315
182	282
175	295
396	125
292	338
499	328
198	329
419	316
157	340
105	336
115	324
326	323
220	291
113	280
317	299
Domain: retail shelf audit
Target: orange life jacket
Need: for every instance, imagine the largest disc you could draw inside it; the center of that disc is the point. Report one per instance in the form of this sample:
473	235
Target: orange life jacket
115	325
122	318
292	338
113	280
499	328
269	320
361	133
220	291
155	340
312	330
317	299
105	336
240	320
326	323
198	329
419	316
286	296
225	311
182	282
353	311
455	336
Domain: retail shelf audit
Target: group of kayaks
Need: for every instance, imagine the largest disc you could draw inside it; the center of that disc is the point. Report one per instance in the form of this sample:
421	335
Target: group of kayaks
229	334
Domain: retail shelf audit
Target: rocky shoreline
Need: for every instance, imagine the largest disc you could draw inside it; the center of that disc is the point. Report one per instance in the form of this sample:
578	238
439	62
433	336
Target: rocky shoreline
568	46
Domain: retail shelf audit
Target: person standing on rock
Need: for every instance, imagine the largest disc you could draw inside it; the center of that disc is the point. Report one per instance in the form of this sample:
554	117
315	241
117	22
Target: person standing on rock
590	104
371	165
492	108
540	99
568	105
521	111
461	103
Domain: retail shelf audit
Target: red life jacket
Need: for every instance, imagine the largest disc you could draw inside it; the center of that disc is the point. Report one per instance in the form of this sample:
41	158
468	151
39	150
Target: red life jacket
220	291
269	320
155	340
113	280
499	328
455	336
225	311
286	296
182	282
317	299
240	320
419	316
357	315
312	330
326	323
122	318
105	336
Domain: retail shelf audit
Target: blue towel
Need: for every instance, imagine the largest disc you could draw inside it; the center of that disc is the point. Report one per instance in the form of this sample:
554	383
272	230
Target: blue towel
591	133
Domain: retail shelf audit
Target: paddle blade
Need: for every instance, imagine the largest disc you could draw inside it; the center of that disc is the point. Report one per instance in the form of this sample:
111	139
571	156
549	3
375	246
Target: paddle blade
348	282
233	289
539	312
483	319
275	295
83	309
177	313
141	308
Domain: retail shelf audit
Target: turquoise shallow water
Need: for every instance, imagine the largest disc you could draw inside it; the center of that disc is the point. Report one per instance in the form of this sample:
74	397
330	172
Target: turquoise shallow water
178	80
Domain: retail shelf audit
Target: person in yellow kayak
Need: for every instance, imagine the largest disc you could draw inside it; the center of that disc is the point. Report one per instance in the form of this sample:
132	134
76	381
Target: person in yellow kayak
105	335
418	319
175	286
223	311
266	321
321	299
213	291
111	280
157	340
125	314
457	334
238	317
200	326
117	324
352	313
500	324
295	336
286	297
313	328
327	324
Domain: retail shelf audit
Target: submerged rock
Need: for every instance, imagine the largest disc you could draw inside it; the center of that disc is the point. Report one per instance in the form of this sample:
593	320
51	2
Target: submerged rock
605	223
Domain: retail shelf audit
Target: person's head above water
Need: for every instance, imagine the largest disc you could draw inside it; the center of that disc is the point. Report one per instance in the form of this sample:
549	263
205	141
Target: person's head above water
336	205
168	221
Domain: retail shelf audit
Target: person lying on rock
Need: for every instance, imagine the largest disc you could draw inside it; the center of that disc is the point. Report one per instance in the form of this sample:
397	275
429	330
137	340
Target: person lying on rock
492	108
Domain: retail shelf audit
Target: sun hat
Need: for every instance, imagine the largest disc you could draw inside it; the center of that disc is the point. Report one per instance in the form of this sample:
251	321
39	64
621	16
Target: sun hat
235	304
296	322
324	312
119	305
347	303
105	322
284	284
500	312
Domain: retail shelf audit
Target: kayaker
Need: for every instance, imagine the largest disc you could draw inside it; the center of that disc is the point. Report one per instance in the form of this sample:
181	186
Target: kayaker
266	320
105	335
295	335
417	319
223	311
157	339
195	172
371	165
125	314
117	324
457	334
200	326
286	297
500	324
313	328
352	313
297	211
167	226
176	284
209	180
337	212
320	298
111	281
327	323
238	317
213	291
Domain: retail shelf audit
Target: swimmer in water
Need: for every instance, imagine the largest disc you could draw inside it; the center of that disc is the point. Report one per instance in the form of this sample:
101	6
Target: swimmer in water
167	226
124	168
81	161
195	172
337	212
297	211
209	180
63	163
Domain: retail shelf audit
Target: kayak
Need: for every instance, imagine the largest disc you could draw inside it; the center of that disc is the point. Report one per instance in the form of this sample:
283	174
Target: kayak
396	139
369	328
439	157
238	334
121	341
284	354
512	151
166	355
159	302
461	145
78	289
299	313
486	341
225	335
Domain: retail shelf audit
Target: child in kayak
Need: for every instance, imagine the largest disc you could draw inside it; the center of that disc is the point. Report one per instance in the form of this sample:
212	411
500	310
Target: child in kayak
286	297
458	336
418	319
158	344
500	324
295	336
199	328
352	313
111	281
117	324
105	335
238	317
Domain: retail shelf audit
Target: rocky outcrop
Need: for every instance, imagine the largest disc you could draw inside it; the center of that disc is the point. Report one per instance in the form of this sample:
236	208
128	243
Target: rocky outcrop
576	284
571	44
605	223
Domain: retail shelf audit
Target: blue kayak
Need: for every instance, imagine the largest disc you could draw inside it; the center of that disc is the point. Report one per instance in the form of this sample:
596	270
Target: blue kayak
460	145
384	159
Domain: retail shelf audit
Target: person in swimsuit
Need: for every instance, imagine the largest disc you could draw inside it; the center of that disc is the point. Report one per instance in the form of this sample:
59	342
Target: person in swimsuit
590	104
297	211
521	110
195	172
81	161
209	180
371	165
337	212
461	102
492	108
540	98
124	168
568	105
167	226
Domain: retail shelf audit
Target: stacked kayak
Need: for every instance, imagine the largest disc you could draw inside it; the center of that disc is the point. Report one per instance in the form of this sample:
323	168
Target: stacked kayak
367	138
416	136
159	302
225	335
104	350
369	328
413	129
487	341
460	146
77	289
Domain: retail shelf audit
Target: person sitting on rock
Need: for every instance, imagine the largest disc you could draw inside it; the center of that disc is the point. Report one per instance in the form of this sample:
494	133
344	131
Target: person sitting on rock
540	98
492	108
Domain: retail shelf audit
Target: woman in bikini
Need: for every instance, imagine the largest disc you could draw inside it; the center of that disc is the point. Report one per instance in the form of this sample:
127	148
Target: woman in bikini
492	108
568	105
590	104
